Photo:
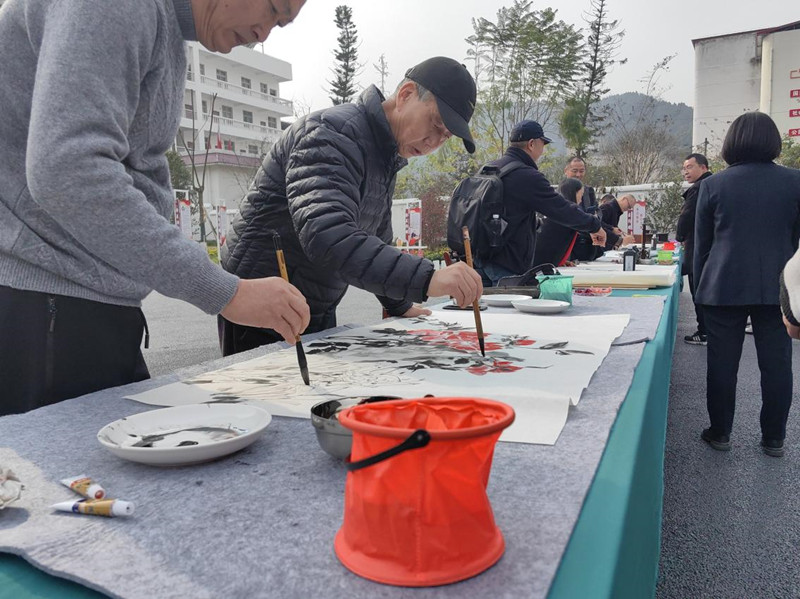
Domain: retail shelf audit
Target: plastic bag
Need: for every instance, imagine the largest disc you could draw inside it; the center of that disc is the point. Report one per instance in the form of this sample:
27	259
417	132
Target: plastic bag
555	287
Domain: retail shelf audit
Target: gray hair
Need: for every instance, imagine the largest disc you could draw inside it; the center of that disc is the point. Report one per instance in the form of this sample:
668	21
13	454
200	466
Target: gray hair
423	93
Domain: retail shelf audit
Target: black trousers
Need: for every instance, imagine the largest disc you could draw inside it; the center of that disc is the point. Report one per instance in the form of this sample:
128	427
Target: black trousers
698	309
725	326
54	347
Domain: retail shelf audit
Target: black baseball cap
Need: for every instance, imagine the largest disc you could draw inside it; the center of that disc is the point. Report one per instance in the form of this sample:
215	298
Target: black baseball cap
525	130
455	92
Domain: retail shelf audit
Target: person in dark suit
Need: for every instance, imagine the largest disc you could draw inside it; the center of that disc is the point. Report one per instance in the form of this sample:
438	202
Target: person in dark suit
695	170
610	213
555	241
576	169
746	228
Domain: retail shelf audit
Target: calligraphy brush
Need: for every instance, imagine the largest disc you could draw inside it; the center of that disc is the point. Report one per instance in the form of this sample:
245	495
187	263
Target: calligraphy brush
301	355
476	308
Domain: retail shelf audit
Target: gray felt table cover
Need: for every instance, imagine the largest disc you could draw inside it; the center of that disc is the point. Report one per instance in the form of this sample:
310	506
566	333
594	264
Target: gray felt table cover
261	522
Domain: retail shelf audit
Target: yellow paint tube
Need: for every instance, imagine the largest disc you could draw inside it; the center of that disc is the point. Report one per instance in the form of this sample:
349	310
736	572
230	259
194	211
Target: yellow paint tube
84	486
97	507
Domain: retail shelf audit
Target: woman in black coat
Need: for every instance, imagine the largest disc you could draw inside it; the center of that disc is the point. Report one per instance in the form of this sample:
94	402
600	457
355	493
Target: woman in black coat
746	228
554	242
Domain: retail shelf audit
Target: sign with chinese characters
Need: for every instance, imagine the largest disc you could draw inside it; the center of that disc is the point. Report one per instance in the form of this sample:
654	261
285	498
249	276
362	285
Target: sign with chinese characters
222	224
413	224
636	220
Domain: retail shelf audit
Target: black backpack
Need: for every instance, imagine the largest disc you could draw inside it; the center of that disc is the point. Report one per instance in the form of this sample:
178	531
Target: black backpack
477	203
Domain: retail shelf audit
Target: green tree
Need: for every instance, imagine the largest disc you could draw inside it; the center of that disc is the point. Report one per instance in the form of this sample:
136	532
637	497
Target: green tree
434	219
664	207
179	174
343	86
198	162
642	147
432	179
382	69
525	63
790	154
582	119
604	177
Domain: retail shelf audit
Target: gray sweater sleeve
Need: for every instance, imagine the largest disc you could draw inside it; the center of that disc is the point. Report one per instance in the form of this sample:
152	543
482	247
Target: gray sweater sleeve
96	68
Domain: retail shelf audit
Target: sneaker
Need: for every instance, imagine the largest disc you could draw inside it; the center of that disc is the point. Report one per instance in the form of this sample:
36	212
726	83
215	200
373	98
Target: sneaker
696	339
772	447
718	442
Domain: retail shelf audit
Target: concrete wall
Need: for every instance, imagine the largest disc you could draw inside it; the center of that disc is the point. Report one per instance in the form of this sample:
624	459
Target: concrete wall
743	72
780	81
727	83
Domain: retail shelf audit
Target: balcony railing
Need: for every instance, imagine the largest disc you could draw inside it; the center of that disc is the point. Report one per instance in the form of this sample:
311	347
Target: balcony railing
243	90
234	123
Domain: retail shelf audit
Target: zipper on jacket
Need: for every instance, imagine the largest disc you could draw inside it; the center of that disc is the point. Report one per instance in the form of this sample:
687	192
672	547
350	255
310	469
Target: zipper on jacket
50	345
146	330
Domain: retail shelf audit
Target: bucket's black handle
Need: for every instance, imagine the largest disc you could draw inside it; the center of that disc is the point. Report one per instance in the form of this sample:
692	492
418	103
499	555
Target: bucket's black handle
417	439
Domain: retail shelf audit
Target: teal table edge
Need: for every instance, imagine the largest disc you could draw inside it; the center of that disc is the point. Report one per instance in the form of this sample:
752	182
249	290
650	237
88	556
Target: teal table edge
19	579
615	546
613	551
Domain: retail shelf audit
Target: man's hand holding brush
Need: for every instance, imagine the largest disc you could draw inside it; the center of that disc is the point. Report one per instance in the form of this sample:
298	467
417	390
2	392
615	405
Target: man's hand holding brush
459	281
269	303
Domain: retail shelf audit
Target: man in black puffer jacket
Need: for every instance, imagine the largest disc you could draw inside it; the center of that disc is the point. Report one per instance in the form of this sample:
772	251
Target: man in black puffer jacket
326	188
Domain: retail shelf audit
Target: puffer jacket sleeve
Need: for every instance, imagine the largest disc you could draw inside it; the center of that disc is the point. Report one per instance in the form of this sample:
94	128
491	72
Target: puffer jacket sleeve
323	174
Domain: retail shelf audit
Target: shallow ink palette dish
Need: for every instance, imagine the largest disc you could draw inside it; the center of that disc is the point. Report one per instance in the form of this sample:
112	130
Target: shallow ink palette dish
540	306
502	300
184	434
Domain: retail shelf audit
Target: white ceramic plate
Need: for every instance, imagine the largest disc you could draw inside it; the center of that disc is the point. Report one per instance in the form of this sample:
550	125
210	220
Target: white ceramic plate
540	306
184	434
502	300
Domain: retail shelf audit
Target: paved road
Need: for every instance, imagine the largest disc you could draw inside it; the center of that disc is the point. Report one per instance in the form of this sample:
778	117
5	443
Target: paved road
731	526
182	335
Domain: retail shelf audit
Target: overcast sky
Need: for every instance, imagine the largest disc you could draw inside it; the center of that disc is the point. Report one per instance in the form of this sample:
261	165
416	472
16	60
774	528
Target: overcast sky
409	31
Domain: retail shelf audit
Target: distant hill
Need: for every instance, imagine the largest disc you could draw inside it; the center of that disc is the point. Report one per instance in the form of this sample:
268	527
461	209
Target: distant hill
680	114
629	103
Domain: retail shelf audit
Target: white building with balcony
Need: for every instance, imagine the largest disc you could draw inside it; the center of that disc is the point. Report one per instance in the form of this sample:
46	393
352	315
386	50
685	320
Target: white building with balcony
741	72
242	92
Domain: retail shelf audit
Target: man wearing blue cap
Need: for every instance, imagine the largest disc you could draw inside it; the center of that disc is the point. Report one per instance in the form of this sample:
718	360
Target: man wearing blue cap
526	191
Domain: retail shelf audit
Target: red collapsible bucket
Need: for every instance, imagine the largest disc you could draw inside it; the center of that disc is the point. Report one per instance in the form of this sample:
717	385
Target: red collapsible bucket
416	511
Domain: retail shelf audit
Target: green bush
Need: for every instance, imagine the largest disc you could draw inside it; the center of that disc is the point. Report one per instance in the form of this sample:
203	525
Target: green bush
434	254
213	251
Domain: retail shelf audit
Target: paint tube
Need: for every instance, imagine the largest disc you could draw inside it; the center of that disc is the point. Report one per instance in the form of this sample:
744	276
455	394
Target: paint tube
84	486
97	507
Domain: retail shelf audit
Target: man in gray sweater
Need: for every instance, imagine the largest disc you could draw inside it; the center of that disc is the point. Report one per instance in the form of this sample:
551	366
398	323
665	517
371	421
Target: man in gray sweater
91	94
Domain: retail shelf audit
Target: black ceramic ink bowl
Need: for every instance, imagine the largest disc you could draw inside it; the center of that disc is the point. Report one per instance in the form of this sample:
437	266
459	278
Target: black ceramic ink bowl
335	439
